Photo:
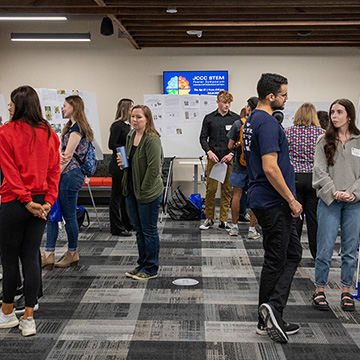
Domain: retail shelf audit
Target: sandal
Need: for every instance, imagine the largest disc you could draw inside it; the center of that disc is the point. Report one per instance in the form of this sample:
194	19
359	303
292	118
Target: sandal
321	298
347	302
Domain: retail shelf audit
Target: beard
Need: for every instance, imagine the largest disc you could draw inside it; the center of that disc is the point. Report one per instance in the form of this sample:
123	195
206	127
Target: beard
277	106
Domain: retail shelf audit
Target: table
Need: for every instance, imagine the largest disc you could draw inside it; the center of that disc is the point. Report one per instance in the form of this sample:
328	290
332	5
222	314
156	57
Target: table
196	163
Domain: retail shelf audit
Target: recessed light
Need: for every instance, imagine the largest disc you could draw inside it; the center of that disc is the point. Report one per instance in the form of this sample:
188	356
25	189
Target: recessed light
304	32
171	10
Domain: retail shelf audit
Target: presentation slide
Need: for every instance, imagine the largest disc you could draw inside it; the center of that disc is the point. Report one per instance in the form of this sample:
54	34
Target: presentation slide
195	82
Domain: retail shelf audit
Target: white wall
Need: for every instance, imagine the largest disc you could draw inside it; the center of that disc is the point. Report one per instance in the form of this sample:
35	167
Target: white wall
114	69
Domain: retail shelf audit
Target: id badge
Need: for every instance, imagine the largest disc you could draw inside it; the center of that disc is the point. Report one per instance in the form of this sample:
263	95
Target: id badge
355	152
228	127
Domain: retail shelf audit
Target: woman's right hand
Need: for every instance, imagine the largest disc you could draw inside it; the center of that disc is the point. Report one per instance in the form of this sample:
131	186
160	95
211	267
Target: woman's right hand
120	162
36	209
344	196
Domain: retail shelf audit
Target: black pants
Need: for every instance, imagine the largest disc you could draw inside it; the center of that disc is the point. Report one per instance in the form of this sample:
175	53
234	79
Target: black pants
282	254
21	234
306	196
119	219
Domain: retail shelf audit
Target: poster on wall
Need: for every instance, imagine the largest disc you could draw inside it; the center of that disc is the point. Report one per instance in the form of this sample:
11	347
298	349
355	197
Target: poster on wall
4	114
178	119
52	101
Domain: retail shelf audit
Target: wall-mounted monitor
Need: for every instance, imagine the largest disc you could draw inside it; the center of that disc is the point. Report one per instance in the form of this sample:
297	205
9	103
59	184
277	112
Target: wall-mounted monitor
195	82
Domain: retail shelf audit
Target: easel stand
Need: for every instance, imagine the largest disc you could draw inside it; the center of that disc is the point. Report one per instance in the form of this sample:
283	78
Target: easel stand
357	296
87	182
167	188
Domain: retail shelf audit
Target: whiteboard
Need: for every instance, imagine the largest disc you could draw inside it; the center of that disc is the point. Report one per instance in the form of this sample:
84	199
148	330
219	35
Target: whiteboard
52	100
178	119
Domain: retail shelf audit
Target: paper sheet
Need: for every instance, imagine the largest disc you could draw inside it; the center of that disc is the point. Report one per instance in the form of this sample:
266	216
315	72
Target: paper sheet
218	172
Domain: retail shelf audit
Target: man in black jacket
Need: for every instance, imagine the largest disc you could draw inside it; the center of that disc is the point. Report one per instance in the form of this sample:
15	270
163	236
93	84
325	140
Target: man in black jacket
214	142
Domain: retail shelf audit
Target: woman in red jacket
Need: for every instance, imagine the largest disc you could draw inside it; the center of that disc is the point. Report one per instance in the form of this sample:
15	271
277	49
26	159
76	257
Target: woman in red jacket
30	162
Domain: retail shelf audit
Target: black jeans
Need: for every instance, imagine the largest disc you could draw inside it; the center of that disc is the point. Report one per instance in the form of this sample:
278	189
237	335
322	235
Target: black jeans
306	196
282	254
21	234
119	219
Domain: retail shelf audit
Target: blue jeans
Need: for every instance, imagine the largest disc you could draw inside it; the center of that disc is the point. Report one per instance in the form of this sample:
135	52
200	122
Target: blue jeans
69	186
143	218
329	218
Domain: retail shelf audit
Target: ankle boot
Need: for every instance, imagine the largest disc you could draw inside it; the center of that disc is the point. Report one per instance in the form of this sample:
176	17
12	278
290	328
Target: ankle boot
68	260
47	262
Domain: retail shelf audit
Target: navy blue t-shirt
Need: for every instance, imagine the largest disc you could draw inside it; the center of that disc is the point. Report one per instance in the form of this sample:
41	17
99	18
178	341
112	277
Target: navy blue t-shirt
263	135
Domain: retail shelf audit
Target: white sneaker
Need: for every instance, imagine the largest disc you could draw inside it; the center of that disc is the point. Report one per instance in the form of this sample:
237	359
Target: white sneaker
234	231
253	234
208	223
27	326
8	321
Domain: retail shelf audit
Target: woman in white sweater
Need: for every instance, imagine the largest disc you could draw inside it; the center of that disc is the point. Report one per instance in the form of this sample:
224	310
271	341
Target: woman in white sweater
336	177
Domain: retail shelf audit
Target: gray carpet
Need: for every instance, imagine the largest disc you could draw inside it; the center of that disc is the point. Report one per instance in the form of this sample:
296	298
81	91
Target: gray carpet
94	312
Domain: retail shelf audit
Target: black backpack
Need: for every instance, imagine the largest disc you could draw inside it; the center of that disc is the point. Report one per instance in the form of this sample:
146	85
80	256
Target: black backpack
180	207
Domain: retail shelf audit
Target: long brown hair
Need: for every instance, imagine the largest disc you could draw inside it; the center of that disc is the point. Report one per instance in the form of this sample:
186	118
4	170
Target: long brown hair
150	126
331	134
28	109
306	115
123	110
79	116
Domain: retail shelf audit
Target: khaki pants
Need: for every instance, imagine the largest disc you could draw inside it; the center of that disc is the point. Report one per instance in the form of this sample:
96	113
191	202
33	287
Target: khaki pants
211	188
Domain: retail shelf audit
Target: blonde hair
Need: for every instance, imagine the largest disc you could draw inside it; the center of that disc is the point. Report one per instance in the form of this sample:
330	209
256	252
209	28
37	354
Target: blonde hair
150	126
79	116
306	115
224	96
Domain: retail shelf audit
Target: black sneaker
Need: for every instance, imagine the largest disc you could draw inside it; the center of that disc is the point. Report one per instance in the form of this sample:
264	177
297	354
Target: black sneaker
290	329
244	218
19	292
273	323
224	225
19	305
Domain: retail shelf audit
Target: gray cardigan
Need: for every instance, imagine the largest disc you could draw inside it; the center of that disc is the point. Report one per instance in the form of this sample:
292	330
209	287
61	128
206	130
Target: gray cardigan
344	175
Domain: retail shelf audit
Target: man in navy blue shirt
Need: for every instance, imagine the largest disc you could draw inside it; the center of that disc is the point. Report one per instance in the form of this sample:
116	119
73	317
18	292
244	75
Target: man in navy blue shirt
271	196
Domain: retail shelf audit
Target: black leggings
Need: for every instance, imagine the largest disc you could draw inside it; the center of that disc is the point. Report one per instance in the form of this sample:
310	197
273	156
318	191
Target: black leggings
20	237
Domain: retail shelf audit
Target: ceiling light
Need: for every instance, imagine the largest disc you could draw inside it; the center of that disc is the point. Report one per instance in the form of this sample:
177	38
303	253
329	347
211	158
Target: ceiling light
51	37
304	32
106	27
32	18
198	33
171	10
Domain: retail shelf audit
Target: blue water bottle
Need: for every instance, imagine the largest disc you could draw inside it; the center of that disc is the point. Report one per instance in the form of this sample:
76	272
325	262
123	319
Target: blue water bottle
121	152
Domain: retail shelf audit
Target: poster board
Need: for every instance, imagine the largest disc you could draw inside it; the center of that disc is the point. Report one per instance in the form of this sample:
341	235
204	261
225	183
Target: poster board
178	119
4	114
52	100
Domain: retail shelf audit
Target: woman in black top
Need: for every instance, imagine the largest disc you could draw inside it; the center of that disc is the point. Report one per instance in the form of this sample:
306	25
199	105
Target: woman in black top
119	220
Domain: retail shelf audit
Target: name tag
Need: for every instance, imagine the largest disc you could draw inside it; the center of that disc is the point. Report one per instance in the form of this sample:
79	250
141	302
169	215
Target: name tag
228	127
355	152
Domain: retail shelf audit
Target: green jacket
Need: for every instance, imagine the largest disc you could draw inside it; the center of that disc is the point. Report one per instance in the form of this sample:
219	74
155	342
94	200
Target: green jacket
146	168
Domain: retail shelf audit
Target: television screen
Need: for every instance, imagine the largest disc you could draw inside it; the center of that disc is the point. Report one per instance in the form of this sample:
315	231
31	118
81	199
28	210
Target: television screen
195	82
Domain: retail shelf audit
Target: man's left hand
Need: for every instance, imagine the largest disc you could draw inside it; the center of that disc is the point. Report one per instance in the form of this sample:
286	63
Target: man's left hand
227	158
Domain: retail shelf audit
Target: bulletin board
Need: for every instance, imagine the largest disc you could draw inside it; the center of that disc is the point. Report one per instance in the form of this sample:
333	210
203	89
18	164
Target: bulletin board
178	119
52	101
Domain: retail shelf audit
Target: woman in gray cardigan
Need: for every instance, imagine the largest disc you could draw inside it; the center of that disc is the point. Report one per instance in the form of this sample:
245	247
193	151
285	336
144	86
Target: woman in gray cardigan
336	177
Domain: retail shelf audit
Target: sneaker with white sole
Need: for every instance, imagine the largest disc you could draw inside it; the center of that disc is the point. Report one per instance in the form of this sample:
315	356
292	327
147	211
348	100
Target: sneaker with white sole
253	234
224	226
131	273
27	326
234	231
273	323
290	329
208	223
144	276
8	321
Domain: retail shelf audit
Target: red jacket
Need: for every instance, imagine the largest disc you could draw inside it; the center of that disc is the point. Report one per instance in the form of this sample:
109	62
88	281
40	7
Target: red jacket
29	167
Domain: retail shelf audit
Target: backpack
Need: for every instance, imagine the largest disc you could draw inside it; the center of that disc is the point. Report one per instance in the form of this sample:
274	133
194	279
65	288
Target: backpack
181	208
89	163
80	216
240	142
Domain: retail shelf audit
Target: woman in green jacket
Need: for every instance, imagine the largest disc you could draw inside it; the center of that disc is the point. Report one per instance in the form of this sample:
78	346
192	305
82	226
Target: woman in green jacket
143	187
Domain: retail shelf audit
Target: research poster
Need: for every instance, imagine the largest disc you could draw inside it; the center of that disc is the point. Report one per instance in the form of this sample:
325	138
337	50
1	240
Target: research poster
52	101
4	114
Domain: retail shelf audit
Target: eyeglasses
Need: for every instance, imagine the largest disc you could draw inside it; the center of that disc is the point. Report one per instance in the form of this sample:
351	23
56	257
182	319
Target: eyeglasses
283	95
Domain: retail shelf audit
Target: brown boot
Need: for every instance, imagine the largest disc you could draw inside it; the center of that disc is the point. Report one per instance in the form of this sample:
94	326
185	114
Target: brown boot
48	262
68	260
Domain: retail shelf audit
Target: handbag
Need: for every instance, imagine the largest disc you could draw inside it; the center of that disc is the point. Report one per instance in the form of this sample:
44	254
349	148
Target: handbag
81	214
55	212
